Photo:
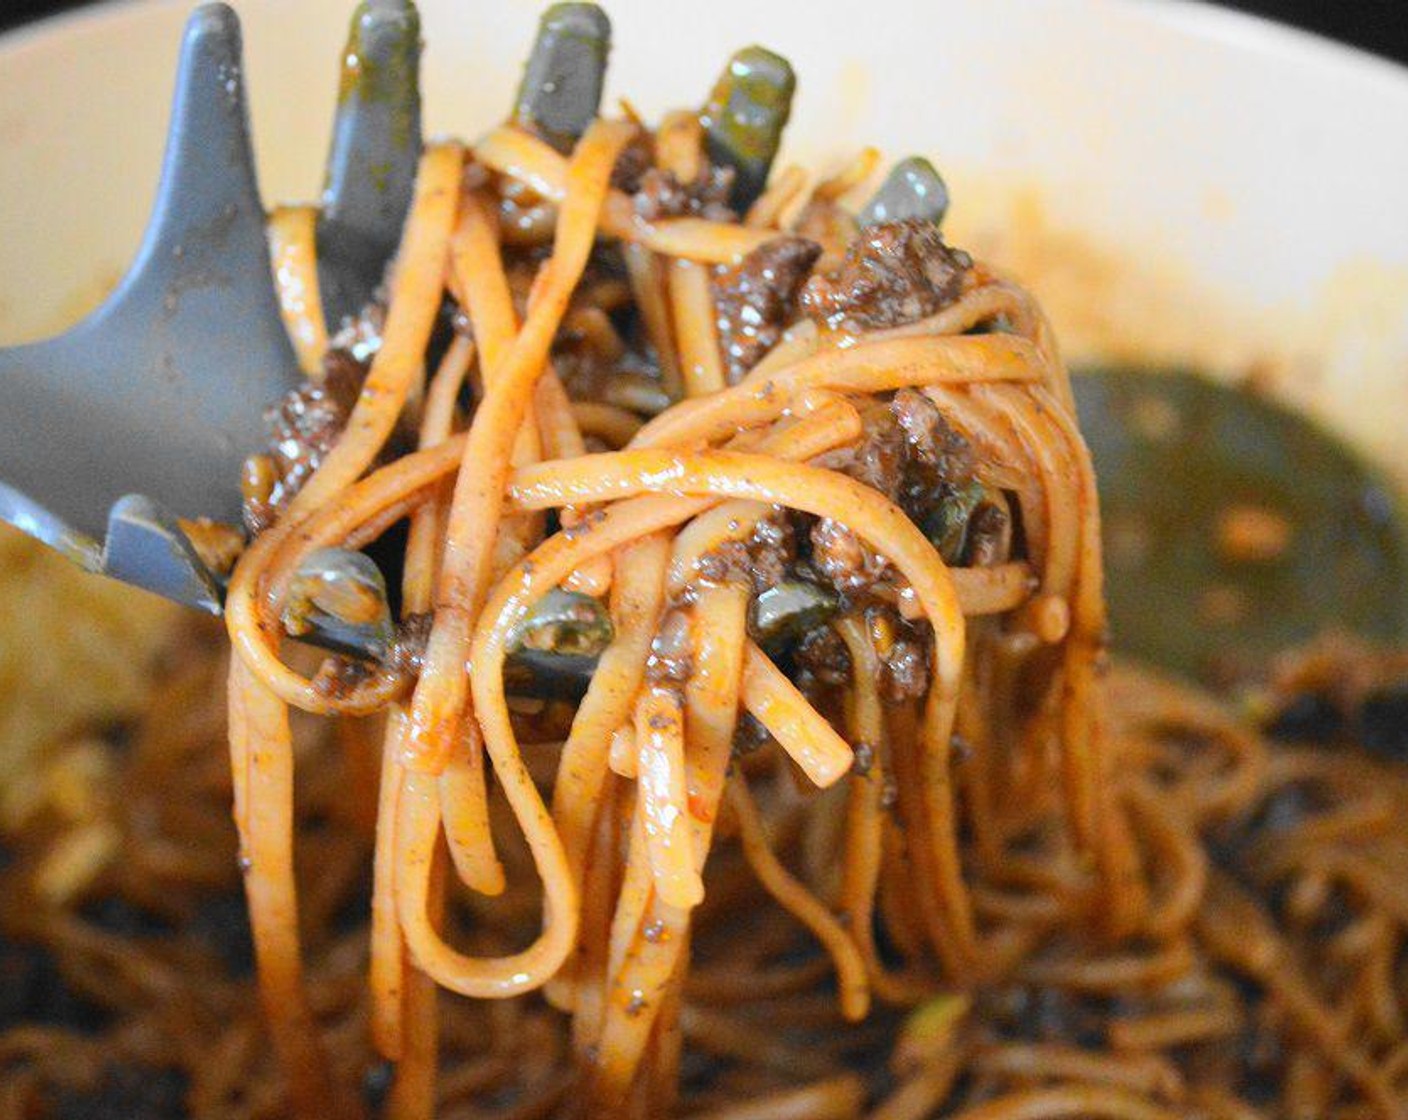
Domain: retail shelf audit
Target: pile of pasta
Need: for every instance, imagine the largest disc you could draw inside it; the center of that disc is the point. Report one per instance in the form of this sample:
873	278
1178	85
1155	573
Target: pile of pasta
621	853
1273	988
712	885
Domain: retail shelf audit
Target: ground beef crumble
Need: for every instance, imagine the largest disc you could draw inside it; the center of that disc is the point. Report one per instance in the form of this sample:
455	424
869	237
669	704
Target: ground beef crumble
893	273
360	335
636	158
905	667
748	735
932	439
757	298
907	452
306	422
822	661
988	536
660	194
407	653
761	560
339	677
878	458
303	427
843	560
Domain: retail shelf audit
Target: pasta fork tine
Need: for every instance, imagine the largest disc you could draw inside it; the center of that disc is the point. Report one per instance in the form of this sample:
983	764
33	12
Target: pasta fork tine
158	392
912	189
371	166
562	80
745	116
144	412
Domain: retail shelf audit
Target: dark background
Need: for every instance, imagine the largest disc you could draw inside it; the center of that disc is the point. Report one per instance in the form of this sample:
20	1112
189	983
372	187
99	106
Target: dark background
1376	25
